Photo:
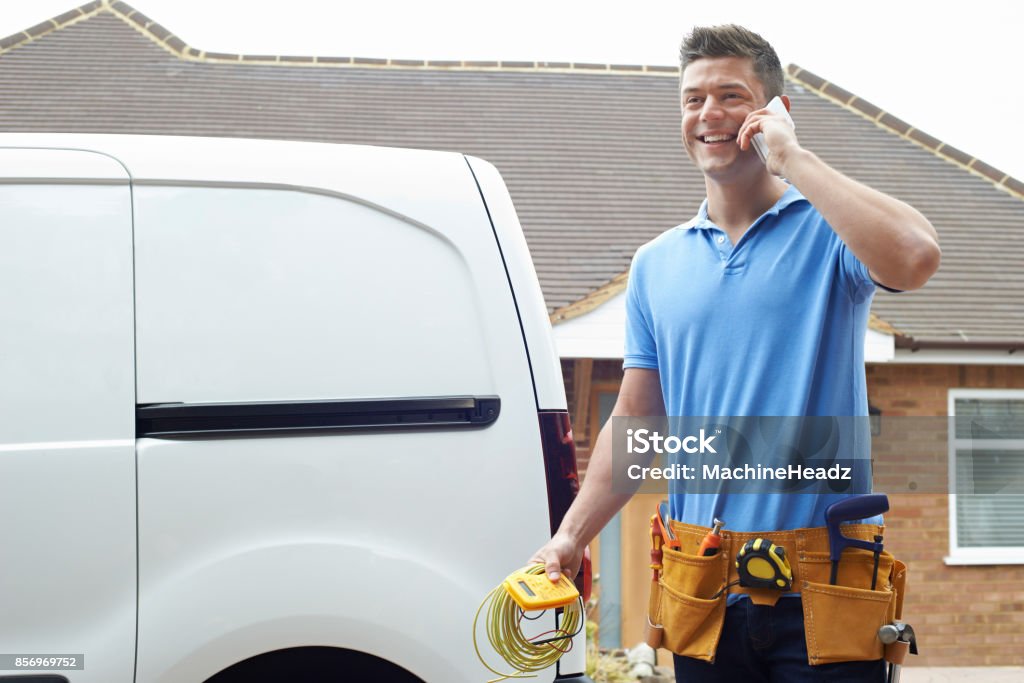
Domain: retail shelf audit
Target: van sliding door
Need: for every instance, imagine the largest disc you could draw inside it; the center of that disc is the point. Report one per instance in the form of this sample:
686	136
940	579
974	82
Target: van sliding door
336	417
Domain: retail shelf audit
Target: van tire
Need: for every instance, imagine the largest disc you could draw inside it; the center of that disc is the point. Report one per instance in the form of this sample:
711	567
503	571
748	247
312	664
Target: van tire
313	665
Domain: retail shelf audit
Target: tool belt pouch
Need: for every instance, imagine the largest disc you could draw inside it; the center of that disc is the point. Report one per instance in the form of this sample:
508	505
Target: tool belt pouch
654	631
896	653
841	621
682	604
899	585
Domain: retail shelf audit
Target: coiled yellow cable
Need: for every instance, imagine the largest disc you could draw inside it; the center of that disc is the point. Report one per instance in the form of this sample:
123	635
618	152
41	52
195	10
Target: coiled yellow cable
525	655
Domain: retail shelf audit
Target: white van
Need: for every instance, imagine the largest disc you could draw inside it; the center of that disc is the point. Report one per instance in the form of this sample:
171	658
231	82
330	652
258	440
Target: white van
269	411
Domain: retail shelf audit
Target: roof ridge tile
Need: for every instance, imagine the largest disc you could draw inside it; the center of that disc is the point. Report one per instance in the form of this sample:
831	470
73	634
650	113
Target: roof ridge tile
174	44
892	124
33	33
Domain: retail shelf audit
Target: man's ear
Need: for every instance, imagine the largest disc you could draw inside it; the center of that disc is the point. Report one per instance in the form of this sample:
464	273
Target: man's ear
785	101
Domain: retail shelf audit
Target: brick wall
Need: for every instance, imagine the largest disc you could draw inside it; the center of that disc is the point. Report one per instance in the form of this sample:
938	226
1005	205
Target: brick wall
963	615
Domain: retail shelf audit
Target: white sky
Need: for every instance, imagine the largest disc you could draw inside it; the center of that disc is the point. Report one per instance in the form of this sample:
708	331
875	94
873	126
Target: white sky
951	70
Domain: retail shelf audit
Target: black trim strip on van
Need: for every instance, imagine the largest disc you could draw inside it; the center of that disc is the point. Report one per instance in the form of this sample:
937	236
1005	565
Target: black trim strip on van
186	419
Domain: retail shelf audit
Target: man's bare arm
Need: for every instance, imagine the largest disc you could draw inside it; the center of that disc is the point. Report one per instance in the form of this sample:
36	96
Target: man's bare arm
897	244
597	503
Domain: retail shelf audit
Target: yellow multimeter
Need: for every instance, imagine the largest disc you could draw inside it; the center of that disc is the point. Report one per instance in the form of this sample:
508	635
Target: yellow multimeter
533	590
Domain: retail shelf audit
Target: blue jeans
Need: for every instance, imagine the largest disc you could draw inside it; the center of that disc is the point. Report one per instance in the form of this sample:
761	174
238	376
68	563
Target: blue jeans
766	644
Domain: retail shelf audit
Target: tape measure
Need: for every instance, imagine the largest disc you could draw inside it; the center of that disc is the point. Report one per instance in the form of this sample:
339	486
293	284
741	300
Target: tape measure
762	564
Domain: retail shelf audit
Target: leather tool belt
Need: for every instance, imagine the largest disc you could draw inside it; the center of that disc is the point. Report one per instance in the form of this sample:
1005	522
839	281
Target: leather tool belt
688	592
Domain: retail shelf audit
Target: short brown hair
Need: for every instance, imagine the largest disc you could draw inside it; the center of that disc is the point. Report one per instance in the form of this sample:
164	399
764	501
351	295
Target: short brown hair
730	40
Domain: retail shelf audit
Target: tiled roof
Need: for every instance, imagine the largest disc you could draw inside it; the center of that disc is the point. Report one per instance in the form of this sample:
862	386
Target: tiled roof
590	152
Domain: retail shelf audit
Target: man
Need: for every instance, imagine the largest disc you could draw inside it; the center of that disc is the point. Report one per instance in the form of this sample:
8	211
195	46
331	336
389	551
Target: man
757	306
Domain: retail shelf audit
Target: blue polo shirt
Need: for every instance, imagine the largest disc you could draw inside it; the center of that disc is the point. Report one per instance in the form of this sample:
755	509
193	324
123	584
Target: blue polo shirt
773	325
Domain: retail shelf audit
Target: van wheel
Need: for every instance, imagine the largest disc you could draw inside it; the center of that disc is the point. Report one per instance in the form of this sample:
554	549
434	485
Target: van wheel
313	665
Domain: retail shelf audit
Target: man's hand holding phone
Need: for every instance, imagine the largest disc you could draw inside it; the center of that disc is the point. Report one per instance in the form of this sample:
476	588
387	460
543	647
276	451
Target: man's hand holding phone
771	132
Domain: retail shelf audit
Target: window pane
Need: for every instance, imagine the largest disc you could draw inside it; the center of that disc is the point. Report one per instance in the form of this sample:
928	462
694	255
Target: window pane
989	418
990	520
989	471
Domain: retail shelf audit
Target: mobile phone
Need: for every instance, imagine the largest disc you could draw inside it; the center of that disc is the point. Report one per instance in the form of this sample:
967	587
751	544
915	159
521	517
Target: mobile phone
776	107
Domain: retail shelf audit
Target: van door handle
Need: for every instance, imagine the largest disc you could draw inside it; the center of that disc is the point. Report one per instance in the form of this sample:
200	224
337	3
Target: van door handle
164	420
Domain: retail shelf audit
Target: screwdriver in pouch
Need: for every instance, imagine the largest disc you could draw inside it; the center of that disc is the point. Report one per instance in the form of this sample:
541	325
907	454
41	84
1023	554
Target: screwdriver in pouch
666	528
712	541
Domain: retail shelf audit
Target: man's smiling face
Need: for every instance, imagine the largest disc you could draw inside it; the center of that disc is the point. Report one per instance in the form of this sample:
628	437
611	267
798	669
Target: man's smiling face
717	94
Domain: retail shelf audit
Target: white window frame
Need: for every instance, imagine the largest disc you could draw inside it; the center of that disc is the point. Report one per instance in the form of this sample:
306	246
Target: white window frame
976	555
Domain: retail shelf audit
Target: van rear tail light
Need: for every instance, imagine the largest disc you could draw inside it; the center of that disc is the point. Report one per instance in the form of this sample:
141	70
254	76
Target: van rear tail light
559	464
562	480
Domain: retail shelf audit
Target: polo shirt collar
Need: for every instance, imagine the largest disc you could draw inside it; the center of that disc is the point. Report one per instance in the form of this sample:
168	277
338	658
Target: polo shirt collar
701	220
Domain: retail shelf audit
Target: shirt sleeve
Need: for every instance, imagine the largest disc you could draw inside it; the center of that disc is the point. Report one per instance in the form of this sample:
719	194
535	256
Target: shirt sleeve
855	274
641	349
